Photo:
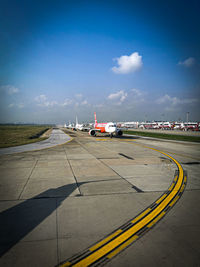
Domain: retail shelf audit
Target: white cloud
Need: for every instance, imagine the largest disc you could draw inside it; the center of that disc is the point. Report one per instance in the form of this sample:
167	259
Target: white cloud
49	103
42	101
9	89
13	90
20	105
119	96
127	64
67	102
40	98
78	96
136	92
166	99
84	102
99	105
11	105
189	62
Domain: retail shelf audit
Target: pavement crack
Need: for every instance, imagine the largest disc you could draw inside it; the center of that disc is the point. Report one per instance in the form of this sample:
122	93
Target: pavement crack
57	245
28	179
77	184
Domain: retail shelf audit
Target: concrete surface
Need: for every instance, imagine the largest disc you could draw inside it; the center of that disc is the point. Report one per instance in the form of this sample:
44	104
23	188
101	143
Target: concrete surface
57	137
56	202
179	132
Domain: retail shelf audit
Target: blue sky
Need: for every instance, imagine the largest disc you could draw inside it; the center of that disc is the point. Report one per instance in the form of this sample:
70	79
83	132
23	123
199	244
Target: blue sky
126	60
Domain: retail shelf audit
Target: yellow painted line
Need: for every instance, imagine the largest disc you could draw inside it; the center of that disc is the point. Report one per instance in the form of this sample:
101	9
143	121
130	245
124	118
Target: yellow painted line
116	251
105	240
141	215
182	188
182	155
175	178
185	179
173	202
156	219
160	199
66	264
124	238
170	188
101	139
126	235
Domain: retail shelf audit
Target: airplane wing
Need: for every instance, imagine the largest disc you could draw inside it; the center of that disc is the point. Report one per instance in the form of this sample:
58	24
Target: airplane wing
86	129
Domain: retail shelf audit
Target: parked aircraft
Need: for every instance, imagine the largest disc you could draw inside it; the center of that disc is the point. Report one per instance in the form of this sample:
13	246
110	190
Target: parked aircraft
191	126
70	125
108	127
149	125
78	126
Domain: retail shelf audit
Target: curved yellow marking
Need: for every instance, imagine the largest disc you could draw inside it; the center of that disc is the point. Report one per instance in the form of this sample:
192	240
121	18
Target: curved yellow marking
170	188
141	215
160	199
156	219
122	240
116	251
105	240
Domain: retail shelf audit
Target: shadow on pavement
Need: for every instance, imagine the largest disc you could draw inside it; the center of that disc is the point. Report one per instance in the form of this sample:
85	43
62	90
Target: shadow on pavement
18	221
128	137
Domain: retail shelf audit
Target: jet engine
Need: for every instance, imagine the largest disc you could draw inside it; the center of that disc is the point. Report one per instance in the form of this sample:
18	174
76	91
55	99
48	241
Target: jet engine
92	132
119	132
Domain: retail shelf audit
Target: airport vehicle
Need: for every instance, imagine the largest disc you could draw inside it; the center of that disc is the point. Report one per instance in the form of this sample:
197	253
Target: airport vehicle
108	127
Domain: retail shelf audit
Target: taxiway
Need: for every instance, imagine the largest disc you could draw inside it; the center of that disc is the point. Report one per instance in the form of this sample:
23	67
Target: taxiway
60	201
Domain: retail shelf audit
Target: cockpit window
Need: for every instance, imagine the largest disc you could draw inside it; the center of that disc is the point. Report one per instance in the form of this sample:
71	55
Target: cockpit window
112	125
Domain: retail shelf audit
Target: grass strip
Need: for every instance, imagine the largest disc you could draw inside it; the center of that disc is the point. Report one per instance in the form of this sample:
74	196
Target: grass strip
16	135
165	136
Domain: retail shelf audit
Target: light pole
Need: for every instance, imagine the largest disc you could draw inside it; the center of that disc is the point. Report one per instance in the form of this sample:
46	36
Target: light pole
187	116
163	115
145	118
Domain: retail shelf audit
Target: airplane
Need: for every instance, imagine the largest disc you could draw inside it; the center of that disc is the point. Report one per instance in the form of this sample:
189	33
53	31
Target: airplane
108	127
70	125
78	126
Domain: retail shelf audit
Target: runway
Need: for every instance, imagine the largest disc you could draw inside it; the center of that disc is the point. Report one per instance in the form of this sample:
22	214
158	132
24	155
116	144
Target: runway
60	202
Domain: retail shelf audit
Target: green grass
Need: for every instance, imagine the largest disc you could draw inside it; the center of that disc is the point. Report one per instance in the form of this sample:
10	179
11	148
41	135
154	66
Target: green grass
165	136
15	135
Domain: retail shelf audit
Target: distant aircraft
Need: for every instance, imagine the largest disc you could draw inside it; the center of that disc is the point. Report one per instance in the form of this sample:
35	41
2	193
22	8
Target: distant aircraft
108	127
70	125
78	126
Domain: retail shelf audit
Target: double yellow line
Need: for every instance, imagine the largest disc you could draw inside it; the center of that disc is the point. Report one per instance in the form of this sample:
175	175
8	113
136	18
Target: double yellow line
133	229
